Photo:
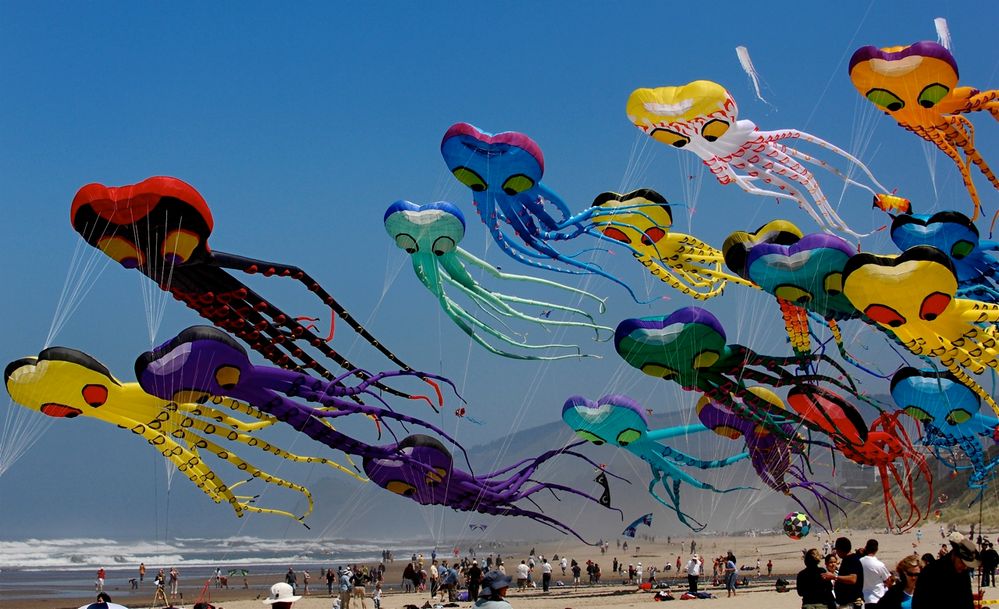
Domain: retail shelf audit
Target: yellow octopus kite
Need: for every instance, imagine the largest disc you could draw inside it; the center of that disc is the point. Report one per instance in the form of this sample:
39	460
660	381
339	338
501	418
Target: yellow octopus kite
913	297
66	383
681	261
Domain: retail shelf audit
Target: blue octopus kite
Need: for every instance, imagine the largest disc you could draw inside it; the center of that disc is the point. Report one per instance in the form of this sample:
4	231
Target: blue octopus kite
620	421
949	412
504	172
953	233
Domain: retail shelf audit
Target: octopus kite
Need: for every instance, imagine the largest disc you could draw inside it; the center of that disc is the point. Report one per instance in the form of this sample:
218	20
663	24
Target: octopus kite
917	86
703	118
161	226
689	348
954	234
66	383
620	421
772	456
804	273
913	297
681	261
202	361
504	173
885	446
951	416
430	234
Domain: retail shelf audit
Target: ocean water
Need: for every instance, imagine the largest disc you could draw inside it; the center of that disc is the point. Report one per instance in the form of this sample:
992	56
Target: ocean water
67	568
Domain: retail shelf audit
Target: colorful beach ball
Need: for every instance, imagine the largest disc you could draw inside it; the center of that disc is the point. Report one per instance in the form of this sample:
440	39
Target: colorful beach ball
796	525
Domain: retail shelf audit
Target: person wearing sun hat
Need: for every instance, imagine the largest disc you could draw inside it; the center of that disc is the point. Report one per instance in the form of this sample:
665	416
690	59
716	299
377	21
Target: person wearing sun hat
282	596
493	590
947	582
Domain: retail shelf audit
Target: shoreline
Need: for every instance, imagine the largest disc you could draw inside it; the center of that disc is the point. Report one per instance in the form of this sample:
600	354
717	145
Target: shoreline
784	552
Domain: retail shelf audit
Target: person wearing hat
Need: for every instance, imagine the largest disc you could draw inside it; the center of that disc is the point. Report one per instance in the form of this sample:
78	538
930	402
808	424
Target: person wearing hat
693	572
493	591
474	575
947	582
282	596
346	587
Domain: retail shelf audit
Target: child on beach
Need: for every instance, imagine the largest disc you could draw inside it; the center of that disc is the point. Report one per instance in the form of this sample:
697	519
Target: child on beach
377	596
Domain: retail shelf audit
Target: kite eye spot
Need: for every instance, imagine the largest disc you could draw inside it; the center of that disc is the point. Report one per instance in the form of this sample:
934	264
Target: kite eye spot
227	376
517	184
179	245
95	395
884	98
618	234
653	235
401	488
932	94
933	305
121	250
714	129
672	138
885	315
470	178
443	245
407	242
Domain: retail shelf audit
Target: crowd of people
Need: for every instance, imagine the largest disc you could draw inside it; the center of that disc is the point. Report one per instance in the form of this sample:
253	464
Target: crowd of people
860	580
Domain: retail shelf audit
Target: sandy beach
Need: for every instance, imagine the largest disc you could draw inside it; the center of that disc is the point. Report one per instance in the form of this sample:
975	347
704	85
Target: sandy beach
784	552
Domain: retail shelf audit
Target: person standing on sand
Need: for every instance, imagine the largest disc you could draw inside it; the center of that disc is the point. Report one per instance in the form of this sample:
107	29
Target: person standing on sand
174	581
546	575
142	571
346	587
730	576
877	577
815	590
100	580
474	575
848	582
564	563
282	596
522	572
770	567
946	582
693	572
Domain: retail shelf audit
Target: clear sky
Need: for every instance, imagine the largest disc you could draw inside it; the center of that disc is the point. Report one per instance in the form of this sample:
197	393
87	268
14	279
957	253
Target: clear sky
300	123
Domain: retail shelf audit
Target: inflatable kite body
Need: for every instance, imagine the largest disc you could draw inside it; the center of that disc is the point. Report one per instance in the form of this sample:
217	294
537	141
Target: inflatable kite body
504	173
952	420
161	226
913	297
620	421
431	234
703	118
773	456
689	348
885	445
804	274
681	261
955	235
66	383
203	361
917	86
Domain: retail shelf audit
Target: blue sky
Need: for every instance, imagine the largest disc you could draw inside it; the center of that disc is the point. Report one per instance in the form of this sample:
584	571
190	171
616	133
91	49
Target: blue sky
300	124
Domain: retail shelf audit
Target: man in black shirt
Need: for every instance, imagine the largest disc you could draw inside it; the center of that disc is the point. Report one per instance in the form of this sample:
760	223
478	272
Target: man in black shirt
947	582
849	582
990	562
474	574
